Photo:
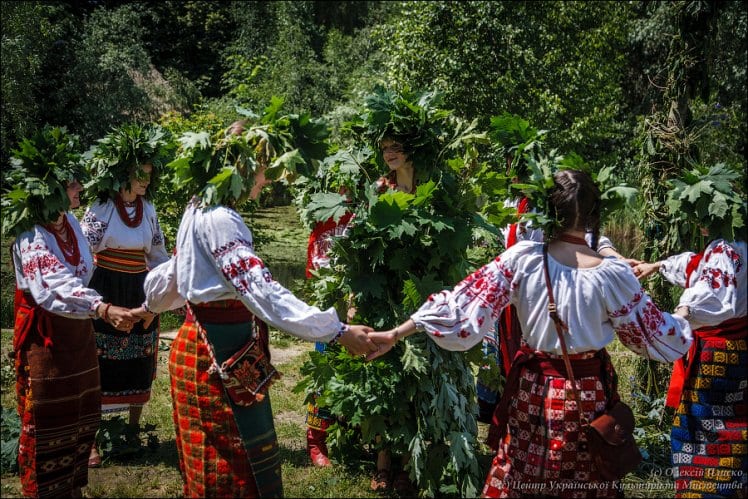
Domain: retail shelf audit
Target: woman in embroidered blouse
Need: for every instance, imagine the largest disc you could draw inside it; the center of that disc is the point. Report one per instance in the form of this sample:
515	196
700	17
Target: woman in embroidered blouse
708	387
226	450
124	234
504	342
57	376
597	298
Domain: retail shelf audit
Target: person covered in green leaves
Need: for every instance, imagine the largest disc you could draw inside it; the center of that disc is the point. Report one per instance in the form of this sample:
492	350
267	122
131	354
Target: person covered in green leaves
413	225
54	352
123	231
226	449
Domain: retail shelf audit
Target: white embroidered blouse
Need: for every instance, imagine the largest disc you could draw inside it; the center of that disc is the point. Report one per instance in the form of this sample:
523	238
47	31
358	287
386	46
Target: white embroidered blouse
104	229
717	289
56	285
230	269
596	303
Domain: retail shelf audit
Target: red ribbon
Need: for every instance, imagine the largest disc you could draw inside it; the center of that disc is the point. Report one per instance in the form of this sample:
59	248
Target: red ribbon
511	333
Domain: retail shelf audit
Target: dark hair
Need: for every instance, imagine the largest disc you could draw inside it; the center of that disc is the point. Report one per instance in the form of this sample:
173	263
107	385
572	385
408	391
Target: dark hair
574	201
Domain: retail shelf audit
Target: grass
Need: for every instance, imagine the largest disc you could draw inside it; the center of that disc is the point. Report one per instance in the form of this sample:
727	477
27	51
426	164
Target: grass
281	243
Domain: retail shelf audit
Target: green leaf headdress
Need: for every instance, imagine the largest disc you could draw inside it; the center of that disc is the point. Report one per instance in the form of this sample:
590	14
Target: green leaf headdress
122	152
36	183
712	198
527	160
412	119
217	168
220	168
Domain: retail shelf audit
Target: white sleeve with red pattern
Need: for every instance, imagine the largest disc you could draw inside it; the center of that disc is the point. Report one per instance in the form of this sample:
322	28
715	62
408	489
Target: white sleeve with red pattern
641	326
458	319
230	244
55	286
674	268
717	290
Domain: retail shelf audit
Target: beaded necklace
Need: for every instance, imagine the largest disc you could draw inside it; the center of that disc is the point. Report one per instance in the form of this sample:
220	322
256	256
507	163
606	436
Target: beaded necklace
122	211
69	243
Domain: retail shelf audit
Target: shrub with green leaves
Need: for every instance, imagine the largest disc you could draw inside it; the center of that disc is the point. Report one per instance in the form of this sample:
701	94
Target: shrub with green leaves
710	198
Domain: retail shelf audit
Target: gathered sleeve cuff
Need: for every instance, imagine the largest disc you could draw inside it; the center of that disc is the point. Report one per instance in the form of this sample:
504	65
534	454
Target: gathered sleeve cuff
674	268
641	326
161	291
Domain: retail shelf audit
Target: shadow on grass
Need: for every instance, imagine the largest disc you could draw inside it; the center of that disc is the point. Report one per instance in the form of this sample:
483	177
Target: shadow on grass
165	454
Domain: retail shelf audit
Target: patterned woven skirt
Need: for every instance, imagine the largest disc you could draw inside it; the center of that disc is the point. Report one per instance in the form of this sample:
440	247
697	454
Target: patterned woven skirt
59	403
710	432
543	454
127	360
224	450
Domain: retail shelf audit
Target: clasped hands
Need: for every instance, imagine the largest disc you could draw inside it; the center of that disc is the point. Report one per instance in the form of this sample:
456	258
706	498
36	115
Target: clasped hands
122	318
364	340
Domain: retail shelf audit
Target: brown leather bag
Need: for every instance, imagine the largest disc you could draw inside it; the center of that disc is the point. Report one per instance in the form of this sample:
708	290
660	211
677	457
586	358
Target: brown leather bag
610	436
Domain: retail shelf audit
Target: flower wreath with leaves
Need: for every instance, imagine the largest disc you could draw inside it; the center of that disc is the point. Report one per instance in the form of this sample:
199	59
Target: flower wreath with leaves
41	168
122	153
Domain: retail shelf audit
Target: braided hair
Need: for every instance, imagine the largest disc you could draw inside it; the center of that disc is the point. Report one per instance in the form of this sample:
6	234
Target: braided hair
574	201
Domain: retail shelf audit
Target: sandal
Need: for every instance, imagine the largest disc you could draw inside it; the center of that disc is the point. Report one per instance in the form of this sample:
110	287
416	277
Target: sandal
381	481
403	486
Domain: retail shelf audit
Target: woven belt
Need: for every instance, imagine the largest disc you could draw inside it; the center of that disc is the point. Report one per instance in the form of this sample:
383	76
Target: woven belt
121	260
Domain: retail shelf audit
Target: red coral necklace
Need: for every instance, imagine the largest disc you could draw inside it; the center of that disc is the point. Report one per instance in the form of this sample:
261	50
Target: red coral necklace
122	210
66	240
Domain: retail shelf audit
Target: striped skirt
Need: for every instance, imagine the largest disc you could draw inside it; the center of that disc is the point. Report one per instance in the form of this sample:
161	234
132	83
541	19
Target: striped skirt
709	437
224	450
544	452
127	360
59	402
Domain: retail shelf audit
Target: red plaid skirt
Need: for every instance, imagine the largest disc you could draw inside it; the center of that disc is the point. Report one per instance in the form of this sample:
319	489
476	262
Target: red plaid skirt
544	451
214	457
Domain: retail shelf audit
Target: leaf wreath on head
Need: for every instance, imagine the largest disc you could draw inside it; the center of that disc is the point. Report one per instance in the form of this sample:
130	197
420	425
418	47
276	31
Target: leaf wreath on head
220	168
412	119
534	168
121	154
712	198
41	168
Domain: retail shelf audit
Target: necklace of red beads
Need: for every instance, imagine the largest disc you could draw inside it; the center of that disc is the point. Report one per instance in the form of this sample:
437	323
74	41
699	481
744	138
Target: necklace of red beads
66	240
122	205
